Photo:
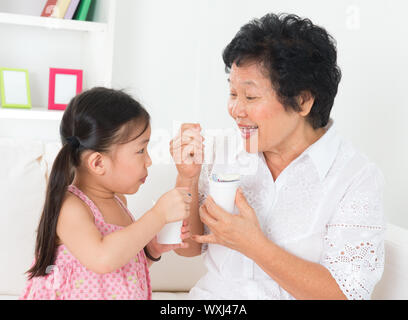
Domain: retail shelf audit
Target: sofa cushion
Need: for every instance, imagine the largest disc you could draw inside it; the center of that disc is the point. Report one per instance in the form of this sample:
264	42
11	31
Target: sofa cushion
51	150
22	190
159	295
394	282
176	273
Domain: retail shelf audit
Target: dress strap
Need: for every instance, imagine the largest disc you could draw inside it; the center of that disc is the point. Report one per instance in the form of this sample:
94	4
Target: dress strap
97	214
124	207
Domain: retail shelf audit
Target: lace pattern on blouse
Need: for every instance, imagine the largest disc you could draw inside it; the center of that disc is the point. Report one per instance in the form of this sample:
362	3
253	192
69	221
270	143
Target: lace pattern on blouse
353	244
354	241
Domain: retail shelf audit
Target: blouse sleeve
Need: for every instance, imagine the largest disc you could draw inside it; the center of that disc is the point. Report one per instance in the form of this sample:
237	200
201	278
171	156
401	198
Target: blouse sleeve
354	241
203	189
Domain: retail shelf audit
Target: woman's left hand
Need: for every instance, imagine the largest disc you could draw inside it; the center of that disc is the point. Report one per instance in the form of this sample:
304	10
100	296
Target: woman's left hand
236	231
156	249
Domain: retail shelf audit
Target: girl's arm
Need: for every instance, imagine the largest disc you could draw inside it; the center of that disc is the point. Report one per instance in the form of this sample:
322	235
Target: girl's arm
77	230
149	262
155	249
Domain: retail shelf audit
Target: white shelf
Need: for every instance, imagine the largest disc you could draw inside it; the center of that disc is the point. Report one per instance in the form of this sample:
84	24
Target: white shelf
86	45
34	113
52	23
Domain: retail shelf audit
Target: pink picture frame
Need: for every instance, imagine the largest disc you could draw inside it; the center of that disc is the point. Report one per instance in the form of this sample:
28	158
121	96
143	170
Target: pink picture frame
64	84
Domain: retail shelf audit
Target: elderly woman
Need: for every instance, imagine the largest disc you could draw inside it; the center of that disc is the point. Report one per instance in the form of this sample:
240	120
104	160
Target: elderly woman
310	222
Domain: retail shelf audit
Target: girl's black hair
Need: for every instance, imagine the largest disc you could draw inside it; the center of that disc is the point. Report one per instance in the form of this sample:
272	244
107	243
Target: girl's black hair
93	120
298	56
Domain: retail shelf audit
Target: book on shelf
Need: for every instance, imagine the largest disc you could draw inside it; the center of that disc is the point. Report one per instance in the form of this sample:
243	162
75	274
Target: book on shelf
83	10
60	9
48	8
71	9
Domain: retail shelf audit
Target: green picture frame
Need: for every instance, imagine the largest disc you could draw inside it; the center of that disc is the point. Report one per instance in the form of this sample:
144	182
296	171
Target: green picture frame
15	88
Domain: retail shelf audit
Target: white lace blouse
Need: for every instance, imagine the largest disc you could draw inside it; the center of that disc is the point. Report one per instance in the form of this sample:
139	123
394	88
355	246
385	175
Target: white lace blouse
325	207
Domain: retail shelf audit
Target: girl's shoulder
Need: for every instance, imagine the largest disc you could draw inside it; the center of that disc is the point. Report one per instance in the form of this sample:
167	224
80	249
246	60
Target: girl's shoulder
74	207
74	212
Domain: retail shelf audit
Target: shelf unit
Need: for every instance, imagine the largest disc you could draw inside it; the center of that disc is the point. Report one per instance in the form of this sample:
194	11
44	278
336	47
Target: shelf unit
33	113
51	23
38	43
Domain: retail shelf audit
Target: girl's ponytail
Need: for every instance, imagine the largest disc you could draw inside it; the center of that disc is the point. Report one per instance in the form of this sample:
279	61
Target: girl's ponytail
61	177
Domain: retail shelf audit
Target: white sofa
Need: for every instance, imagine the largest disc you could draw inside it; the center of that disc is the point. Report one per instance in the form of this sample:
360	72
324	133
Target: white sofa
24	167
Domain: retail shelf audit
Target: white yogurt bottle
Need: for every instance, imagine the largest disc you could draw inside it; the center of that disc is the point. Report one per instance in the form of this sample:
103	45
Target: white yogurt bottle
223	189
170	233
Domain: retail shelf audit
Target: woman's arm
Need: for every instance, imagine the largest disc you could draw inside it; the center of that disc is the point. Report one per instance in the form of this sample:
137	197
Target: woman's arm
196	226
187	150
300	278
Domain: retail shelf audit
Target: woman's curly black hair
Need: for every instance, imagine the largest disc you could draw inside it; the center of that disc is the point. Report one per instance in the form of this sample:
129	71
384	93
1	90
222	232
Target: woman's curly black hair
299	57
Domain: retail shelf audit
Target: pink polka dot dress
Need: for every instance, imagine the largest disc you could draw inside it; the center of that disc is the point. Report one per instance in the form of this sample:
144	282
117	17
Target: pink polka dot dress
70	280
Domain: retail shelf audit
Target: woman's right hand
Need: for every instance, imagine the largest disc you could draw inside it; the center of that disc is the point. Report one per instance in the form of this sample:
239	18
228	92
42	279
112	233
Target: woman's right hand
187	150
174	205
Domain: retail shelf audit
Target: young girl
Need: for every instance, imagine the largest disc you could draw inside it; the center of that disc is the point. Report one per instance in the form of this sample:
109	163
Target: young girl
88	244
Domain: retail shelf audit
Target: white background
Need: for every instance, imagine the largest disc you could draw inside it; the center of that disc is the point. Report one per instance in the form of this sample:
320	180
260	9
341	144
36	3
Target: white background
168	55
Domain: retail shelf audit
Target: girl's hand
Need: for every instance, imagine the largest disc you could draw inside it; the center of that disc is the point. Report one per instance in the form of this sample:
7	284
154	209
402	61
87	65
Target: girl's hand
187	150
156	249
239	232
174	205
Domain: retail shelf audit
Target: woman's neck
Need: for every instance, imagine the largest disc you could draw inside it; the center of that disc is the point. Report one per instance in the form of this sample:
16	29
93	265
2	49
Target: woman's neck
278	158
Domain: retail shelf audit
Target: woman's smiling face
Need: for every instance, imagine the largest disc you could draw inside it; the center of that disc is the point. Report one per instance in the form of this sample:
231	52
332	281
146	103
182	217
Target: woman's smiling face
262	119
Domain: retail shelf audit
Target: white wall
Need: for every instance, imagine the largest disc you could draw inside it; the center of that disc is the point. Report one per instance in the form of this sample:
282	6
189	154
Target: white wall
168	55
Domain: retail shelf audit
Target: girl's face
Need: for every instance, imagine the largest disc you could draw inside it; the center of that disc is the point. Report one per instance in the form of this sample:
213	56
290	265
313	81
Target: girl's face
262	119
127	165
